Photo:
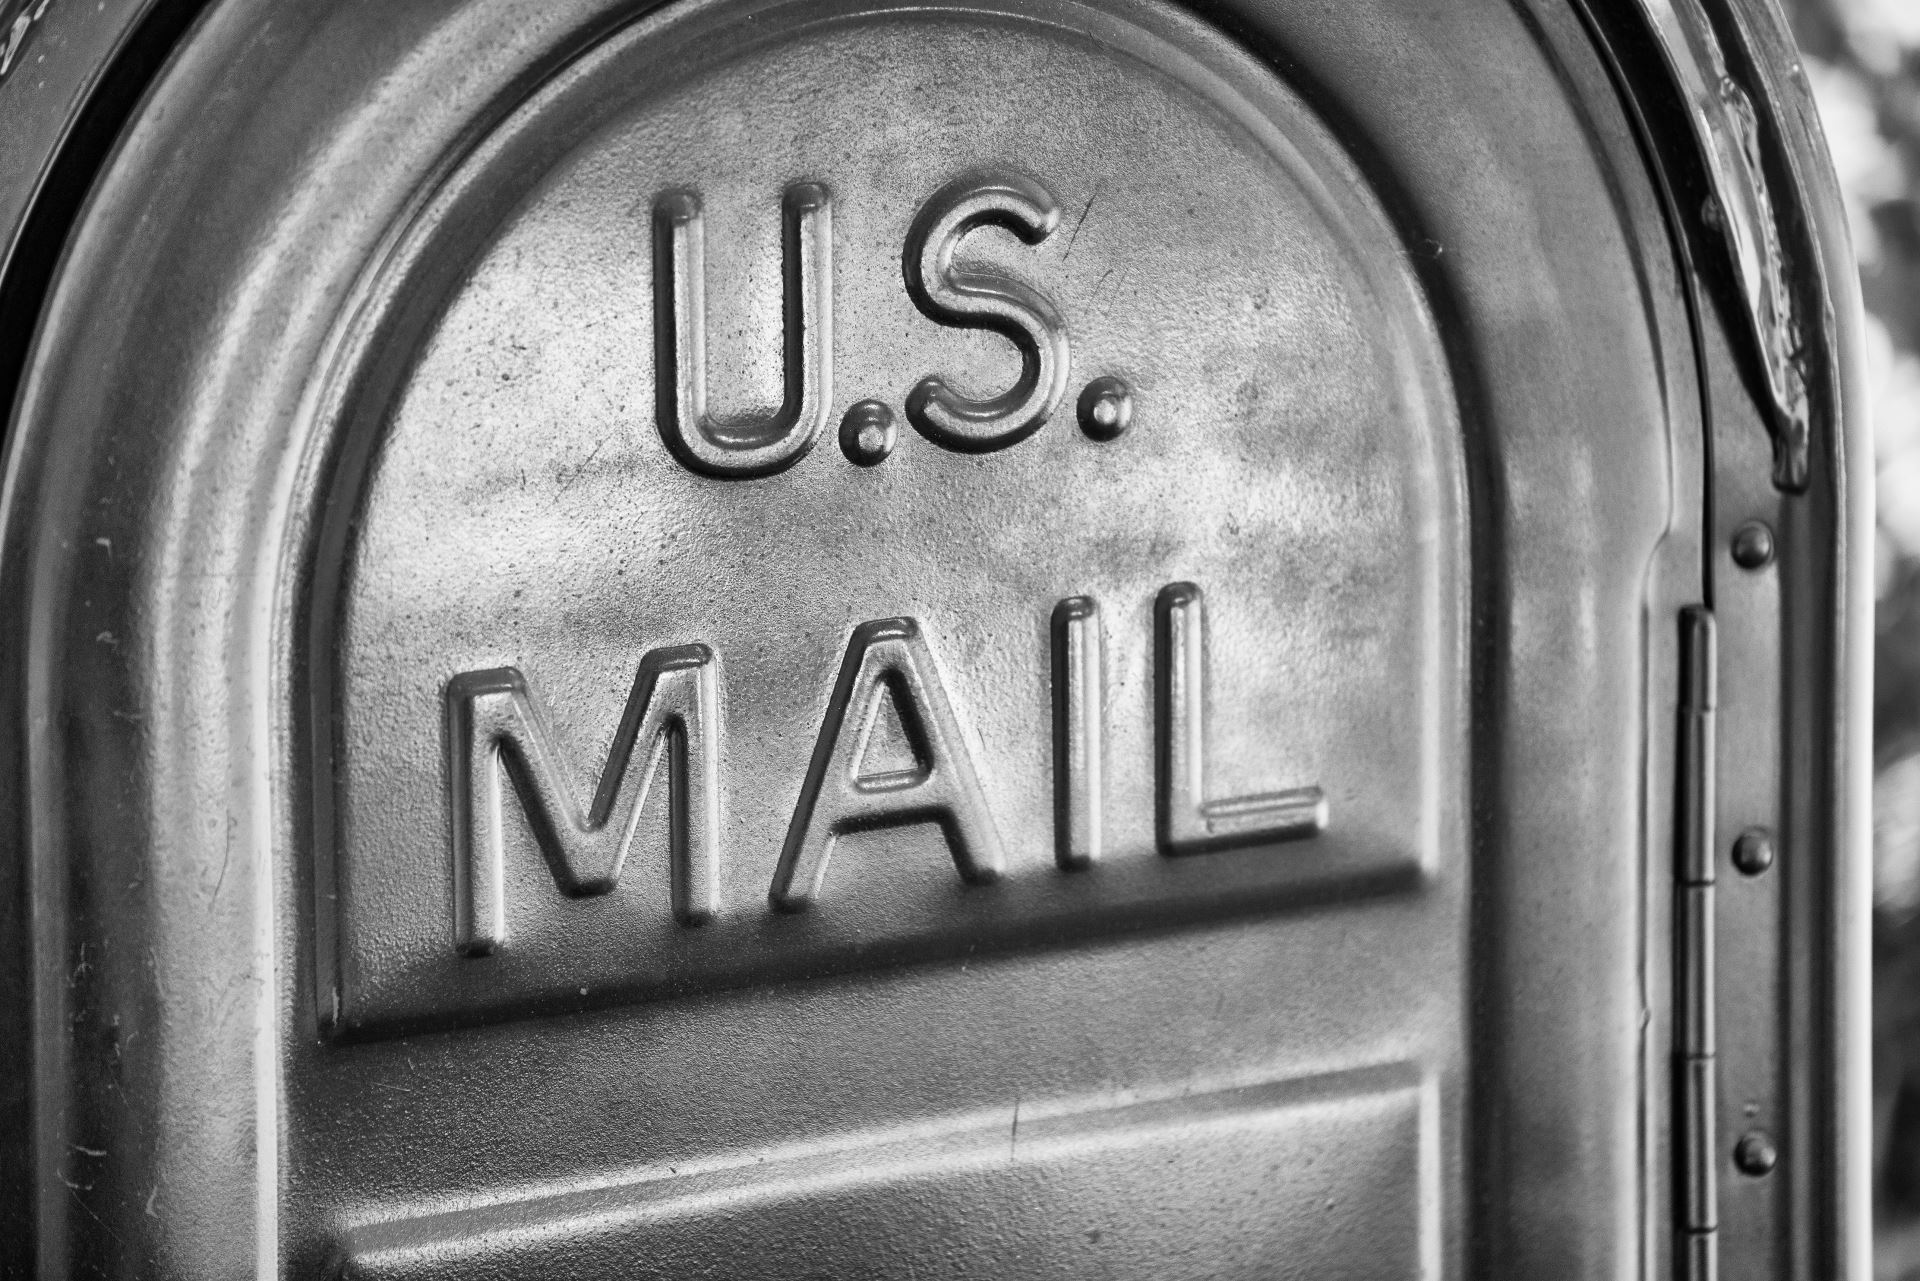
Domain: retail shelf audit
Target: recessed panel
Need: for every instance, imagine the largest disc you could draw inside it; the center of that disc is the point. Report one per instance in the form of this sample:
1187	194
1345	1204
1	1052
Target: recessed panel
914	483
1324	1179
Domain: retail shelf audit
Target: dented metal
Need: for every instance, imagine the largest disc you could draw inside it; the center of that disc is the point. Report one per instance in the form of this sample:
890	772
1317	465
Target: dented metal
1744	212
14	30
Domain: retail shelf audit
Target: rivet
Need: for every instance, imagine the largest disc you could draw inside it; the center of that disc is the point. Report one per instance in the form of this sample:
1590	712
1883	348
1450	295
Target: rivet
1755	1154
867	433
1753	852
1753	545
1106	407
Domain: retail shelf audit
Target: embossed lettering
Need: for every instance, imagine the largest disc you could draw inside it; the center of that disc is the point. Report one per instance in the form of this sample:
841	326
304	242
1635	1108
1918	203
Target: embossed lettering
888	672
742	447
1189	822
496	732
985	299
1079	731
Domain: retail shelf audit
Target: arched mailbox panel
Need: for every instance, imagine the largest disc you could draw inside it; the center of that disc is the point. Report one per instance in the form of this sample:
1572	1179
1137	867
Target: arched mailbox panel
829	638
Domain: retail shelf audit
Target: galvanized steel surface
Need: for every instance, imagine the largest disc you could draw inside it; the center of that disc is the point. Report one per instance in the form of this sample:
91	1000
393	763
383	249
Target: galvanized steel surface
824	637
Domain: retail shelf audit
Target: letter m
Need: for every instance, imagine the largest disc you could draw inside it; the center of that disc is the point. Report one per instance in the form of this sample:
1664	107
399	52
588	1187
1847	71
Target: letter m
498	740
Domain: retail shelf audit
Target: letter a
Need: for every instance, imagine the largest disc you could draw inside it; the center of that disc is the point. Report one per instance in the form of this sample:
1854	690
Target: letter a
887	662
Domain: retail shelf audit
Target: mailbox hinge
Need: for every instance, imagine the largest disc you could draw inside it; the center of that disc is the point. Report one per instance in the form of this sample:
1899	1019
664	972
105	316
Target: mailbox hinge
1696	1141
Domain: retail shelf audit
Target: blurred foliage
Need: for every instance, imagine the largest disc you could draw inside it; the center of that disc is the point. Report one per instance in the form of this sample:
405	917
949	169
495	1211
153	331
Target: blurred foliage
1863	61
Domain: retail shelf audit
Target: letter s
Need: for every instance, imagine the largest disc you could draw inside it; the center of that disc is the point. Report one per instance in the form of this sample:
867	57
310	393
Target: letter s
986	300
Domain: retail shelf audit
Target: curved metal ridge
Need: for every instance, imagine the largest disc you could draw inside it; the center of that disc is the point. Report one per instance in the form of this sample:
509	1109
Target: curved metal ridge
1727	130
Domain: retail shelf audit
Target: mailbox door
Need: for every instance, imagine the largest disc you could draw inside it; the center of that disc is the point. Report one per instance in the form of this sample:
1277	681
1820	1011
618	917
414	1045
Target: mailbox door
839	638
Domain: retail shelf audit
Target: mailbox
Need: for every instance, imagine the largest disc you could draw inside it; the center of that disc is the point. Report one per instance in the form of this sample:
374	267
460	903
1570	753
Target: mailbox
838	638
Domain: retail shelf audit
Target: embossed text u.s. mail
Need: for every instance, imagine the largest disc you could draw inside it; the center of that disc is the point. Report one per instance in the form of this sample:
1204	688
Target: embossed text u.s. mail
498	747
669	744
777	553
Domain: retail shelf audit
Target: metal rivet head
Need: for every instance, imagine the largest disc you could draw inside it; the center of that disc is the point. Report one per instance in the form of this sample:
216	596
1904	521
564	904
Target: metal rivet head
1106	407
867	433
1755	1154
1753	545
1753	852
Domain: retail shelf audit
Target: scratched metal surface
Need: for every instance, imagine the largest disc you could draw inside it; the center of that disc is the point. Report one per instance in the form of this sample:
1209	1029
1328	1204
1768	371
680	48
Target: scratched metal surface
52	56
1192	827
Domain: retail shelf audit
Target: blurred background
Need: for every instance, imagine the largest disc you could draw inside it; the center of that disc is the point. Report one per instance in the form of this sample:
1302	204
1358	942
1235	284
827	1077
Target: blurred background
1863	59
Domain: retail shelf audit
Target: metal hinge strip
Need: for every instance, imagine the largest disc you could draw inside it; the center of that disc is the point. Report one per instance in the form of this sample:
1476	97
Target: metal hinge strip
1696	1134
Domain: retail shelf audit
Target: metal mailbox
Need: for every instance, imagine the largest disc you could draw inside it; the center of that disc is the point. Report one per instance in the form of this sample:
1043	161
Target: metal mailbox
842	638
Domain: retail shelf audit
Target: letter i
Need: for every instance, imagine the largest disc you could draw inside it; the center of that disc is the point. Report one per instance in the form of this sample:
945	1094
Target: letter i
1079	716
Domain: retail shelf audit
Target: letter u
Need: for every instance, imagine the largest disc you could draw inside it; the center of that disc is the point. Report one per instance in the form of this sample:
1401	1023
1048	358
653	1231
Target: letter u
739	448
